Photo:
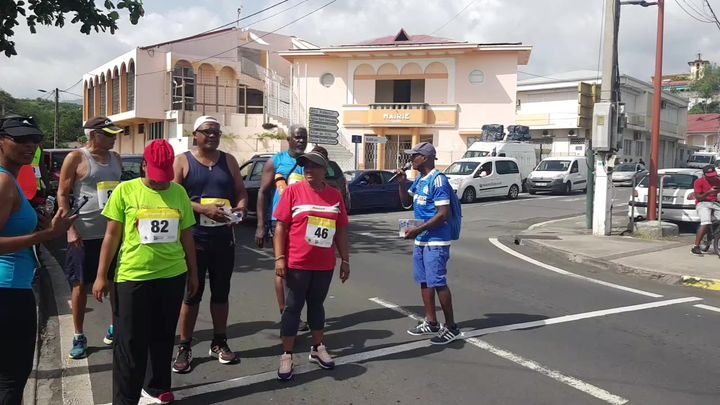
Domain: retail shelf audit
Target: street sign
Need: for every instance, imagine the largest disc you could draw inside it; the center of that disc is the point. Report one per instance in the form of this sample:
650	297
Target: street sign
316	126
323	134
357	139
319	119
323	112
323	140
375	139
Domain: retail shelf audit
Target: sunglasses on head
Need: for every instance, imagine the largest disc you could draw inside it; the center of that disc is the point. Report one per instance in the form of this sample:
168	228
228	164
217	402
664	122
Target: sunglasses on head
25	139
210	131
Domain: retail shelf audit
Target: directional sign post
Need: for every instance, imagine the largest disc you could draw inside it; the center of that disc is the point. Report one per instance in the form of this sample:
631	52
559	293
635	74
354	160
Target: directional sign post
357	140
323	126
375	139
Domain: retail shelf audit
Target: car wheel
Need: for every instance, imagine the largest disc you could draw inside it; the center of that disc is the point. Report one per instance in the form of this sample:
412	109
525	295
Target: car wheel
568	188
513	192
531	191
524	186
468	195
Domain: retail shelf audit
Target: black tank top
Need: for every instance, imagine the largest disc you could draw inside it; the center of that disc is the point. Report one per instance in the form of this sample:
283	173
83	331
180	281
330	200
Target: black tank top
209	182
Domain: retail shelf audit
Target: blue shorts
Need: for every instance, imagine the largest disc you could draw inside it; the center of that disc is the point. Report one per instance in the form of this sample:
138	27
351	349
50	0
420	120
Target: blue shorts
430	265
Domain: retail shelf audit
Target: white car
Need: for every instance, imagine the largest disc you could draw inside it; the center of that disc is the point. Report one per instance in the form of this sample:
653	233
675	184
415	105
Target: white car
483	177
623	174
678	195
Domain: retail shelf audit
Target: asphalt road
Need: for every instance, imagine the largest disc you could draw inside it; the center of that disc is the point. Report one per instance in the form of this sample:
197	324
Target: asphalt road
534	336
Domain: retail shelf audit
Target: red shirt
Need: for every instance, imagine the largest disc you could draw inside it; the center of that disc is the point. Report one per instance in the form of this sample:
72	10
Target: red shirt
702	185
300	206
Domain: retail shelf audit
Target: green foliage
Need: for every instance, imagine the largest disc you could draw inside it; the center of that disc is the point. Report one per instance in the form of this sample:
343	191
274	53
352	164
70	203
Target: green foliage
44	113
52	12
712	107
709	84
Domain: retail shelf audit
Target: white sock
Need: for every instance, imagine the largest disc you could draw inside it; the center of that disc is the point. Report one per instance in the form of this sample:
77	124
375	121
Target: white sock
77	335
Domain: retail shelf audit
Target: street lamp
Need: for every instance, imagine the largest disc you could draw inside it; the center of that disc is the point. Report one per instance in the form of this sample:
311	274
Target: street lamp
56	127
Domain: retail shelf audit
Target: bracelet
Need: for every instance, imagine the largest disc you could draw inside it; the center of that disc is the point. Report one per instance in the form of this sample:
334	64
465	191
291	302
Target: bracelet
346	261
280	257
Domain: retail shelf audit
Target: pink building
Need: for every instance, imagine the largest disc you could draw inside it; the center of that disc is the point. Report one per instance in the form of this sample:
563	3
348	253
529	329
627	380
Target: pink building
407	89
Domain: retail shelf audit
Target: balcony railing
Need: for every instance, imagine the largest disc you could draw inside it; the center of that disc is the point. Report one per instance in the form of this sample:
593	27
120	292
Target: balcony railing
399	106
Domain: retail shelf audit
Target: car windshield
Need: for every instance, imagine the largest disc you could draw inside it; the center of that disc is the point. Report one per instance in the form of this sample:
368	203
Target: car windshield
625	168
462	168
352	175
553	166
475	153
700	158
672	180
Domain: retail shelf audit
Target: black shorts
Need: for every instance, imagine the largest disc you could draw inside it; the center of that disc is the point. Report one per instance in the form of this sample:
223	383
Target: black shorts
81	263
216	259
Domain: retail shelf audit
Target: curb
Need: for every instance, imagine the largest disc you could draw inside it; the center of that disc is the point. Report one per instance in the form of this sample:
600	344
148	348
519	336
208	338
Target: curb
40	290
698	282
607	265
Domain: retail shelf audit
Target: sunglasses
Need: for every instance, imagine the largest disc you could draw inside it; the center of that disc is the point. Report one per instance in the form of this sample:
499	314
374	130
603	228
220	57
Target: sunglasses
208	132
26	139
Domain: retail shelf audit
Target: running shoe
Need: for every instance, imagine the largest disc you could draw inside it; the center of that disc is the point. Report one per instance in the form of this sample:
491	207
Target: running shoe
446	336
303	326
183	359
223	353
696	250
79	348
424	328
108	339
285	371
321	357
164	398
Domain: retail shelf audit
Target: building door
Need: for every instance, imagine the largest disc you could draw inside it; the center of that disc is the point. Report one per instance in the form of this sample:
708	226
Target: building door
370	155
395	156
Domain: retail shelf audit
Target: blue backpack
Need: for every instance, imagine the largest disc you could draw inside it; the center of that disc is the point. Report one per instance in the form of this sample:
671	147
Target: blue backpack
455	220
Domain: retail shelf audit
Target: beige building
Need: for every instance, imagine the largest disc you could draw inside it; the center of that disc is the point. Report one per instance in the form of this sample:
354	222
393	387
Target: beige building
407	89
158	91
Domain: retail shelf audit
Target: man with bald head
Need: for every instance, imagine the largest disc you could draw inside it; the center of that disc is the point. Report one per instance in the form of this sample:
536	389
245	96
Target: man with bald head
280	171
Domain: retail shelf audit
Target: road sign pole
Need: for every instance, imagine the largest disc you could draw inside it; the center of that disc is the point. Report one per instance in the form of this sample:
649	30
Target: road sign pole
356	156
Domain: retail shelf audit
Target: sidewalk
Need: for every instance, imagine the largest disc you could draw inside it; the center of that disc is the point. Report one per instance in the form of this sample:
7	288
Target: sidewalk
667	260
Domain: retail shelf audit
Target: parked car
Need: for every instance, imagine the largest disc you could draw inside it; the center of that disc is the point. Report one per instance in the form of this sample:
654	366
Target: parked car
483	177
131	167
559	175
522	152
252	171
53	160
678	195
373	189
623	174
698	160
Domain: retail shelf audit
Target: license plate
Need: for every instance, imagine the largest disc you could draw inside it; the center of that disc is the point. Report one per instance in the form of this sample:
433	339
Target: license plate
540	183
668	199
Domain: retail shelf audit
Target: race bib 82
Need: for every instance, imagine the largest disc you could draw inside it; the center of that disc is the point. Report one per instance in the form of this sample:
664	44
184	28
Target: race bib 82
158	225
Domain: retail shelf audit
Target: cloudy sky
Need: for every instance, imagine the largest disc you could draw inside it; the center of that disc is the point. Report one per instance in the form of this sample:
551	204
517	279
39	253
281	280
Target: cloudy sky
565	34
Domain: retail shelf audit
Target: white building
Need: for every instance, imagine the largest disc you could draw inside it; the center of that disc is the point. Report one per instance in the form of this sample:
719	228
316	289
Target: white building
558	110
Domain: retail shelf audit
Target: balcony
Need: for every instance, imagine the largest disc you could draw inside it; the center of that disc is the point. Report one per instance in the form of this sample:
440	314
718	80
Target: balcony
400	115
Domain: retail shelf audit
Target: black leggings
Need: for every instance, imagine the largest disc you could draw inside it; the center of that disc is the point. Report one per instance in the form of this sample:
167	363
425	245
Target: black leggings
18	317
305	286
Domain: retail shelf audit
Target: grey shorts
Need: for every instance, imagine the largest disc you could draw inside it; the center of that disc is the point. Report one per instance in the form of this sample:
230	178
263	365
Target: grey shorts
81	263
706	210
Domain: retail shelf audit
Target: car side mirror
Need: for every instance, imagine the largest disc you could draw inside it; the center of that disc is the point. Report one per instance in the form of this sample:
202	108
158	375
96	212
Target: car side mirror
363	183
481	174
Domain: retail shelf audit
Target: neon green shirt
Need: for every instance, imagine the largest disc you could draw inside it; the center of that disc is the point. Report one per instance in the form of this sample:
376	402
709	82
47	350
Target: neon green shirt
152	223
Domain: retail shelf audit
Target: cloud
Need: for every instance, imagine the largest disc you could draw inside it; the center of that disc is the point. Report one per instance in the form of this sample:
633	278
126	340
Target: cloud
565	34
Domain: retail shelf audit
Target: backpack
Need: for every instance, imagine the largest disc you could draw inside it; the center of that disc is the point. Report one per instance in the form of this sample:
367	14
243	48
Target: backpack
455	220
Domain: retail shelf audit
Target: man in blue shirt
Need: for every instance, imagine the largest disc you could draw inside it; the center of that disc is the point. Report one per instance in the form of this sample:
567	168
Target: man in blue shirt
430	197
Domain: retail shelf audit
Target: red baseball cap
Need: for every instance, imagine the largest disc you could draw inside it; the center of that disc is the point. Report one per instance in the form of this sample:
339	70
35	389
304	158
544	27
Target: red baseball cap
159	157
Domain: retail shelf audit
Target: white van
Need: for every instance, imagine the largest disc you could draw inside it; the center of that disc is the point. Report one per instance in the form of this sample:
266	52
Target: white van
522	152
482	177
559	174
698	160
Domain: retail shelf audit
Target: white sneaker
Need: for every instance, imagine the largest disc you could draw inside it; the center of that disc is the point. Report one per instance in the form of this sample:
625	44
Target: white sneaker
321	357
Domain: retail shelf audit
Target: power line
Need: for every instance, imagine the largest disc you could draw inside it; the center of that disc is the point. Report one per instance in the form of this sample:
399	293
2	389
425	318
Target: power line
76	83
453	17
697	10
278	13
244	18
690	14
717	23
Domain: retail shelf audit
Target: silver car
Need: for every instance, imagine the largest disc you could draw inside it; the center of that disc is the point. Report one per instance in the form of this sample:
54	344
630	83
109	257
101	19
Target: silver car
624	174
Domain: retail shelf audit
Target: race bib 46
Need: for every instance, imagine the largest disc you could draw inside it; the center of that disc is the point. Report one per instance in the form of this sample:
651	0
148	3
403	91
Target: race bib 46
320	232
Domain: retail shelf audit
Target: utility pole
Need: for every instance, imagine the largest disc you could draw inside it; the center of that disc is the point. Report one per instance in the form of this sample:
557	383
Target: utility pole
657	101
57	117
605	122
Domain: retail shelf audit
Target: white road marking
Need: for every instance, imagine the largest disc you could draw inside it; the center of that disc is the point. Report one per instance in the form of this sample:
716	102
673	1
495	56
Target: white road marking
76	386
519	200
552	221
521	256
234	383
573	199
708	307
260	252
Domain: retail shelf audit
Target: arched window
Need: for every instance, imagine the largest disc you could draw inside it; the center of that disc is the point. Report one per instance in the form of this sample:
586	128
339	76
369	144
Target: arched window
116	92
131	86
103	95
183	85
91	98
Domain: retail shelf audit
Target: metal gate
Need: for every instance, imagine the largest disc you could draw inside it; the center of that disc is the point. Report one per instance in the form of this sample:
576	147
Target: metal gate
370	155
395	151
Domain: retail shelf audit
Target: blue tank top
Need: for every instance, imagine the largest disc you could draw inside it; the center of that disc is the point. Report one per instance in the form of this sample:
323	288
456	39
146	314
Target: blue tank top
288	167
205	182
17	269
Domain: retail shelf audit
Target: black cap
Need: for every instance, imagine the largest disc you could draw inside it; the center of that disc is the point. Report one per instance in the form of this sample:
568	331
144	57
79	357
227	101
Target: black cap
19	126
102	124
708	169
312	156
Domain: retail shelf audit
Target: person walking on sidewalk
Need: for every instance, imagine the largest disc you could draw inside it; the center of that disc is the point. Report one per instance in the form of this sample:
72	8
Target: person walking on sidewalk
706	203
213	181
431	200
19	138
281	171
152	216
92	171
311	223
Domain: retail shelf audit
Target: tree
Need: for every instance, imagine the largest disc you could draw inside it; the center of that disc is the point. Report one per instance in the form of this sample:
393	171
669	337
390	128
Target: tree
707	86
52	12
702	107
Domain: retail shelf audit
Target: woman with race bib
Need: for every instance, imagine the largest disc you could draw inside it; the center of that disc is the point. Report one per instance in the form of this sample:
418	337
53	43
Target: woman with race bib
153	218
312	224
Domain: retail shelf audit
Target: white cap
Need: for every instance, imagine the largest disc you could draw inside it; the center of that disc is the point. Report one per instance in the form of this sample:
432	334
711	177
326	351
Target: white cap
204	119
